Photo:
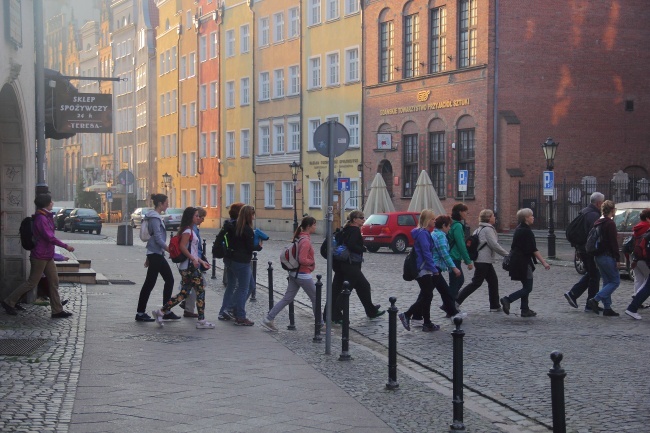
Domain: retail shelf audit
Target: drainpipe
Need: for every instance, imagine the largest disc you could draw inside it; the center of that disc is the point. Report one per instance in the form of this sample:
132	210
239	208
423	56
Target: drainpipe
363	99
252	148
302	170
198	95
39	76
495	109
179	30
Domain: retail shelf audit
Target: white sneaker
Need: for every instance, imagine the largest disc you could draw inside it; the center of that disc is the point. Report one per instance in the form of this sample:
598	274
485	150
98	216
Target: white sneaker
269	324
202	324
633	315
159	317
461	315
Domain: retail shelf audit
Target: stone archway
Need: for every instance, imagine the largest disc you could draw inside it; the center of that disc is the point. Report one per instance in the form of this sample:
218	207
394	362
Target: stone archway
13	192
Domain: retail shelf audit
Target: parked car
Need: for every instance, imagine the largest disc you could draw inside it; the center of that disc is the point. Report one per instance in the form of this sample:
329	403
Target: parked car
626	217
61	215
172	218
392	229
138	214
83	219
55	209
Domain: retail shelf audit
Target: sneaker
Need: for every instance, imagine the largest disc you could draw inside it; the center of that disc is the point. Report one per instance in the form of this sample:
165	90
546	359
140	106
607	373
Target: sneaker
505	304
144	317
378	313
65	301
202	324
190	314
610	313
405	321
253	299
61	315
158	314
528	313
269	324
182	305
495	310
171	316
8	308
226	315
19	307
243	322
571	300
633	315
461	315
592	304
430	327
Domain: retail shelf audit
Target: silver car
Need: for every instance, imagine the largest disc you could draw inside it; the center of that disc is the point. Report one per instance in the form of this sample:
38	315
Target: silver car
138	215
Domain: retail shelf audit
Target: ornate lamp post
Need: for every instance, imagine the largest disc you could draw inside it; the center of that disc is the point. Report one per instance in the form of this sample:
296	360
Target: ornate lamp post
167	182
550	147
294	174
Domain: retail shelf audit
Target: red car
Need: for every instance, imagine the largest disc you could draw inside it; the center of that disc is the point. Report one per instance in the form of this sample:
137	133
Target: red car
391	229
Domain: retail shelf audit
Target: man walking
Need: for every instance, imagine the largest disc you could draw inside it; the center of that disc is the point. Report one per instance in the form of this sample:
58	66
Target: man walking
591	279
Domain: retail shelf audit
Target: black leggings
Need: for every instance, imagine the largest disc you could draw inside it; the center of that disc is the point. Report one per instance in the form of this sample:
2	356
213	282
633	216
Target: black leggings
351	272
157	265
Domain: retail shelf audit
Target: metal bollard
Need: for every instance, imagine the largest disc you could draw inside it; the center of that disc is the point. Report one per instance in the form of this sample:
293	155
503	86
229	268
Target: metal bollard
214	268
254	265
317	318
458	335
345	331
270	270
203	249
557	375
292	318
392	345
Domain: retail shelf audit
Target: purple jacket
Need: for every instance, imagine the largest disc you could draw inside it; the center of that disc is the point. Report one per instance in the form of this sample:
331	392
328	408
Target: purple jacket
44	236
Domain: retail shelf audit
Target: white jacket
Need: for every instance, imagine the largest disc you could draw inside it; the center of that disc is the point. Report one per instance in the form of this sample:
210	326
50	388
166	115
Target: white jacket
487	235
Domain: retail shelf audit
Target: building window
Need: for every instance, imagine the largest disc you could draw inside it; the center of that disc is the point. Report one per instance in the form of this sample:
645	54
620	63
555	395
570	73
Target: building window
183	116
213	195
193	197
314	12
204	196
162	105
173	59
230	144
244	36
183	67
265	142
193	164
352	123
203	97
411	46
269	194
278	85
294	22
244	91
214	45
314	73
287	195
294	136
294	80
438	43
467	33
333	69
245	193
203	48
184	164
230	94
244	143
315	194
193	114
264	31
386	54
173	145
192	65
278	25
278	138
410	163
352	201
213	144
466	157
214	95
313	125
437	162
230	194
265	86
204	145
351	6
174	101
351	65
230	43
332	9
184	198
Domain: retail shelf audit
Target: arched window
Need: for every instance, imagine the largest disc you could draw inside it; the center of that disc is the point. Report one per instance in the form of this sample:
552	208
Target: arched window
410	157
466	150
437	145
386	46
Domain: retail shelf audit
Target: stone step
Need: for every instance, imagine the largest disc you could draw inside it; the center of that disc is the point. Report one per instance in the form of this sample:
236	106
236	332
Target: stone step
84	263
101	279
84	276
69	266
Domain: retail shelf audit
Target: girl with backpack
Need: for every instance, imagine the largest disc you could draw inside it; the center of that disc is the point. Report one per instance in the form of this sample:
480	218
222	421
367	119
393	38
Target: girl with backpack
457	248
190	269
641	269
300	278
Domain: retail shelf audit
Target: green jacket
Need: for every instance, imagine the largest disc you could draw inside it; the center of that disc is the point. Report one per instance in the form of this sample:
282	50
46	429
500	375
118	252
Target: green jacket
457	248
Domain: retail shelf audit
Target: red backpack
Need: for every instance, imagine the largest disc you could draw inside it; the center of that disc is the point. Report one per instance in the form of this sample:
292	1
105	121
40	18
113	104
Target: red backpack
175	252
642	247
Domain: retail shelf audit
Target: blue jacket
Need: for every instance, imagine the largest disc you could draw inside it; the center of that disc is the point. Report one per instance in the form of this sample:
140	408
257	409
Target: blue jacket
423	245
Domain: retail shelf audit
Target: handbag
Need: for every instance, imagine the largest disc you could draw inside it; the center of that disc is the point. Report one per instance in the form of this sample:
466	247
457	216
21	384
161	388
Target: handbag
341	253
506	261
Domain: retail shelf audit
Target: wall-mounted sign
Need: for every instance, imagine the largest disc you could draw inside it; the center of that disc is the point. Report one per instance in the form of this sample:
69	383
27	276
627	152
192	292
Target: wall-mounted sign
449	103
384	141
85	112
13	22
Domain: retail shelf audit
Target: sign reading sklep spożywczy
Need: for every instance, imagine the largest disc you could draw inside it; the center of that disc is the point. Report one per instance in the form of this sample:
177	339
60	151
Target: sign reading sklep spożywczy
85	112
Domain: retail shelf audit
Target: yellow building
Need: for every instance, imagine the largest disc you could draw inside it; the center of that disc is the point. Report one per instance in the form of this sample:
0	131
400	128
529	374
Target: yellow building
237	135
277	112
331	79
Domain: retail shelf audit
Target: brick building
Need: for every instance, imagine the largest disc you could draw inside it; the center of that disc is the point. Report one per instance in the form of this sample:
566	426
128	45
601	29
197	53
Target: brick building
480	84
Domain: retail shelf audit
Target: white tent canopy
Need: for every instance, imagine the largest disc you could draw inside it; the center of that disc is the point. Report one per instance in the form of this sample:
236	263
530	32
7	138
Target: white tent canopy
378	200
425	196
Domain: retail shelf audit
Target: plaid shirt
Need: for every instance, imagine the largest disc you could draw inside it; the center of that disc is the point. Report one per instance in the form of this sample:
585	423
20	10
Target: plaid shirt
441	255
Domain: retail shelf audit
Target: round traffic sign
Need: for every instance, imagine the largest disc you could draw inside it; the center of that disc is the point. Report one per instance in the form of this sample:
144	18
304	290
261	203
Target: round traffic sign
340	142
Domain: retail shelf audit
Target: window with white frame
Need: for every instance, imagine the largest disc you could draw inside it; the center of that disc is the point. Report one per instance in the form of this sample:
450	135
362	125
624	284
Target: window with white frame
173	145
245	193
168	104
193	114
192	163
184	198
244	142
193	197
204	145
230	144
163	144
174	101
278	84
287	194
294	80
333	69
161	66
192	65
162	105
204	196
269	194
314	12
278	27
352	199
213	144
173	59
352	65
230	94
244	91
244	37
315	194
314	72
184	164
352	123
183	67
188	20
265	86
214	94
214	45
230	194
294	136
265	140
278	138
203	97
230	43
264	31
203	48
294	22
313	125
351	6
183	116
213	195
332	9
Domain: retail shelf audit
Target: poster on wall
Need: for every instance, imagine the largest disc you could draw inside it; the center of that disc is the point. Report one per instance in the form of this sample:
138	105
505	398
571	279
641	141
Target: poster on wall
384	141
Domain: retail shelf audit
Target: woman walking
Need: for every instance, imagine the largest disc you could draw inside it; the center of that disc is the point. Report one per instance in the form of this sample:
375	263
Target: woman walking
641	271
301	277
190	269
189	304
607	261
524	256
457	248
156	263
444	263
484	268
41	259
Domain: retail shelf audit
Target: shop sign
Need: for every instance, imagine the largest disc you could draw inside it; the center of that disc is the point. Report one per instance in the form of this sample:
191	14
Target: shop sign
85	112
384	141
438	105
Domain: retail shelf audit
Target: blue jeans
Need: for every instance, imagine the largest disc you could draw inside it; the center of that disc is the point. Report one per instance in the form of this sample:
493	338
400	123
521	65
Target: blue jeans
231	284
242	274
526	288
611	279
640	297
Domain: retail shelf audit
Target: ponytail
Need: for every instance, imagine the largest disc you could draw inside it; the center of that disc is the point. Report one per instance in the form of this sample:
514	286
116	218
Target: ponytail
304	225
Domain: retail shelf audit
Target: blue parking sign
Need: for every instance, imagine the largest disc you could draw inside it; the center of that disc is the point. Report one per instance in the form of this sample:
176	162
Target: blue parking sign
549	183
462	180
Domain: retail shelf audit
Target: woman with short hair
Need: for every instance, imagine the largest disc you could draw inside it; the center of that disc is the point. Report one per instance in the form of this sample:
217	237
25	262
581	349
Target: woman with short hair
524	256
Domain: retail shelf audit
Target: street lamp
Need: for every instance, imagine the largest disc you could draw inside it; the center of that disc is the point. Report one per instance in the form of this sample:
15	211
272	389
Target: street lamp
550	147
294	173
167	182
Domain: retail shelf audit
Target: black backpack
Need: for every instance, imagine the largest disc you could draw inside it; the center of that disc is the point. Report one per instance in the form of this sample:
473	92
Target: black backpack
472	243
595	245
577	231
221	247
26	231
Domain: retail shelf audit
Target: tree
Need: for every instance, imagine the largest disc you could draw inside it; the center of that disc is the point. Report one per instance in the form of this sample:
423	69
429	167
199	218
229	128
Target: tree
87	199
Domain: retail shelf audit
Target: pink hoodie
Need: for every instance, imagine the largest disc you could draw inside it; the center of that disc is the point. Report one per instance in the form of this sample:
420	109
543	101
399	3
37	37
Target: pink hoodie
306	254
